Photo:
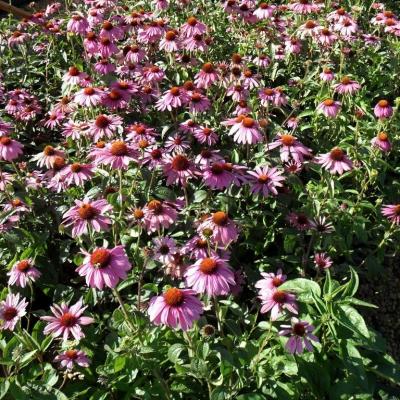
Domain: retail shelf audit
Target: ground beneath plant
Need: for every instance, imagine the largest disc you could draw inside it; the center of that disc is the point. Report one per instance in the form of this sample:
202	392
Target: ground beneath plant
383	291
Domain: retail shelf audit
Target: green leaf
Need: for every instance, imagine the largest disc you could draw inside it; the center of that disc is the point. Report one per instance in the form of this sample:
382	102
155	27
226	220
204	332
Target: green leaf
250	396
351	319
175	351
4	386
304	288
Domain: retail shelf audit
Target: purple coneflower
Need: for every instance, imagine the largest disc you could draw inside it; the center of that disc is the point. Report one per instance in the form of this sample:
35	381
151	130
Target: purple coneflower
347	86
23	272
164	249
336	161
105	126
88	97
329	108
207	76
322	261
69	358
270	281
48	156
117	154
104	267
172	98
87	214
265	180
382	142
289	147
176	308
220	227
178	169
299	221
383	109
277	301
300	336
245	130
210	275
392	212
77	173
10	149
158	214
67	321
11	311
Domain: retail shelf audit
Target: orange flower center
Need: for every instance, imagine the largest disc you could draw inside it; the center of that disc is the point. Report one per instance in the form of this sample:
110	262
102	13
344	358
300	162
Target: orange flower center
196	97
208	266
107	25
310	24
23	265
170	35
397	209
328	102
279	297
237	58
175	91
16	203
383	103
5	140
345	80
269	92
192	21
102	121
288	140
86	211
277	281
138	213
88	91
220	218
383	136
337	154
71	354
76	167
68	320
119	148
180	163
263	178
217	168
59	163
248	122
174	297
73	71
155	206
114	95
208	67
100	258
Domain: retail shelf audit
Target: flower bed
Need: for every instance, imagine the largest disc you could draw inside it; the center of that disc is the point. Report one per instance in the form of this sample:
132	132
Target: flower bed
190	193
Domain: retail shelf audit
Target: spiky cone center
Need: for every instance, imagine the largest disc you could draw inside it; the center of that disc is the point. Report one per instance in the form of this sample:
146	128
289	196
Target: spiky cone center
76	167
68	320
299	329
89	91
220	218
276	282
383	103
73	71
16	203
279	297
207	67
337	154
208	266
10	313
170	36
328	102
72	354
100	258
397	209
119	148
164	249
383	136
287	140
174	297
263	178
49	151
175	91
155	206
248	122
138	213
86	211
102	121
23	266
217	168
345	80
59	163
5	140
180	163
115	95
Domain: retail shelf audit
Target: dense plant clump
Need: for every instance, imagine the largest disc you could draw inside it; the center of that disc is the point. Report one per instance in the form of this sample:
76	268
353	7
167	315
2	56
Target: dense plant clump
189	193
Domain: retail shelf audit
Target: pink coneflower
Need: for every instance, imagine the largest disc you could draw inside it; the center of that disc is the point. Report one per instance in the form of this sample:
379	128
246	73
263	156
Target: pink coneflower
330	108
310	28
271	281
382	142
326	37
300	336
262	61
53	119
196	43
198	103
78	24
197	248
10	149
105	126
74	76
114	99
178	169
117	155
48	156
237	92
158	215
304	7
23	272
322	225
336	161
5	179
104	267
245	130
193	27
289	147
111	31
67	321
176	308
218	175
77	173
277	301
210	275
104	66
172	98
392	212
88	97
264	11
17	38
265	180
164	249
87	214
220	227
134	54
11	311
153	74
322	261
74	130
327	75
106	47
205	135
170	42
293	122
347	86
383	109
207	76
346	27
69	358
